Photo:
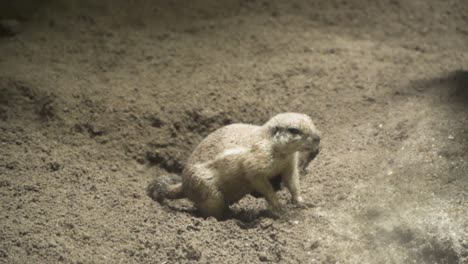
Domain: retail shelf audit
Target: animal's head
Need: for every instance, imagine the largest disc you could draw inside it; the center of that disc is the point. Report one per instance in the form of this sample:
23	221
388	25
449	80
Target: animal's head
293	132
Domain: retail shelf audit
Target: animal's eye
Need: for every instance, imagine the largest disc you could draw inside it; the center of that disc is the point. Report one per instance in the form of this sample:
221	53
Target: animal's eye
294	131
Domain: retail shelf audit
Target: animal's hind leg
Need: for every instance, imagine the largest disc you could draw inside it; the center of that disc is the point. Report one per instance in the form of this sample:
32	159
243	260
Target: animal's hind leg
214	205
203	191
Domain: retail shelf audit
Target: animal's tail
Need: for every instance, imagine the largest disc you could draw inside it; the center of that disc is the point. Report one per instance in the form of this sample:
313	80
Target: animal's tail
159	190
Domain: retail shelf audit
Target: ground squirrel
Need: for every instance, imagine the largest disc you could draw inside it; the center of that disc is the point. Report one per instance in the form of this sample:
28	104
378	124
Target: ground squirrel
241	159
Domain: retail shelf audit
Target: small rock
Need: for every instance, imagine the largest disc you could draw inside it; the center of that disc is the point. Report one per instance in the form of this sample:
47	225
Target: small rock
192	254
44	149
266	224
451	137
11	165
53	243
69	225
54	166
93	129
315	244
31	188
192	228
156	122
40	244
274	236
331	51
263	257
86	236
4	183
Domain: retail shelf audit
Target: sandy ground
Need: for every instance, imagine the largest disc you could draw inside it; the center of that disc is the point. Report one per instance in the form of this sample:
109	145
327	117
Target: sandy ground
97	99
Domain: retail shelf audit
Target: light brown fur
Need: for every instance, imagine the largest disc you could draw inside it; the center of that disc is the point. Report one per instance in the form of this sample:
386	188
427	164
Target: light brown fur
240	159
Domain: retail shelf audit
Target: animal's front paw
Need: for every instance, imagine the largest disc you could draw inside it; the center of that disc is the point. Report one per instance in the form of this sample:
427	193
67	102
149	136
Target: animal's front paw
298	200
300	203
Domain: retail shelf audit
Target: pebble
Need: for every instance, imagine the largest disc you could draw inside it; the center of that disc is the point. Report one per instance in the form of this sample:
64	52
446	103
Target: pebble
263	257
52	243
315	244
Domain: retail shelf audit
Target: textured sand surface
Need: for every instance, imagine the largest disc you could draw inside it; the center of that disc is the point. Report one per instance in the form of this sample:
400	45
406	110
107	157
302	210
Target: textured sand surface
99	97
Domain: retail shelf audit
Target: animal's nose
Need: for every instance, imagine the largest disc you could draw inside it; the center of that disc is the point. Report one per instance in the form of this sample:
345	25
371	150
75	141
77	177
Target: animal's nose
316	139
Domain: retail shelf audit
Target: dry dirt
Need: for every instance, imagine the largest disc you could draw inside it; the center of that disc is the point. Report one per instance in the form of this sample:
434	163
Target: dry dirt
99	97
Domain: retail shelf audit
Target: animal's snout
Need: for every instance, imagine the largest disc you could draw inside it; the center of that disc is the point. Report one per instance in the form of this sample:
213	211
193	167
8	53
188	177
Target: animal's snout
316	138
313	142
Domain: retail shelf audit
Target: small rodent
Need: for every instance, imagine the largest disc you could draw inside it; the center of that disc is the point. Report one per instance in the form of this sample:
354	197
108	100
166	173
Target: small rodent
241	159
